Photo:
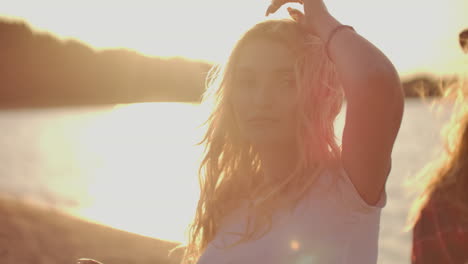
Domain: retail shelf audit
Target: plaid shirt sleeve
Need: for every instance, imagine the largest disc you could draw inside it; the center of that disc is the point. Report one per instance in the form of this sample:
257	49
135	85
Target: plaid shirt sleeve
440	235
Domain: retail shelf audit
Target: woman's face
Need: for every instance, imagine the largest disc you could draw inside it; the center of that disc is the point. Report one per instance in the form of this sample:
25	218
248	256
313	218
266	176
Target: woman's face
264	93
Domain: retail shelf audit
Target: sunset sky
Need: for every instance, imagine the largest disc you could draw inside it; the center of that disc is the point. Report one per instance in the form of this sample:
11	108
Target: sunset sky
417	35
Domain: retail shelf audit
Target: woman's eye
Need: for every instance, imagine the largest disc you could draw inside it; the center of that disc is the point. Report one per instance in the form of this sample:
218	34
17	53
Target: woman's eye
288	83
245	82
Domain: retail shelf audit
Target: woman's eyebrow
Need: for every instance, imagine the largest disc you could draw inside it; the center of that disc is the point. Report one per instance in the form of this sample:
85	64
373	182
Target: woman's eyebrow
283	70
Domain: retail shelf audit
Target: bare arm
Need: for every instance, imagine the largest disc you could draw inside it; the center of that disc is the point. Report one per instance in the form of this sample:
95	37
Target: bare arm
374	102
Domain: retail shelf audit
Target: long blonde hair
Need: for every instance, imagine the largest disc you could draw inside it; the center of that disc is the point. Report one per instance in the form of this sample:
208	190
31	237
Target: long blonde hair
231	168
447	177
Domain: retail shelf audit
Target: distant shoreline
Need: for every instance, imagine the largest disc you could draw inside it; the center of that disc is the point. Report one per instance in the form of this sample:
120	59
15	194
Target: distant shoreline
41	70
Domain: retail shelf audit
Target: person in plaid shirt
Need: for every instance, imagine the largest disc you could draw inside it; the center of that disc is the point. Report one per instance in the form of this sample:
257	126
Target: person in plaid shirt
440	233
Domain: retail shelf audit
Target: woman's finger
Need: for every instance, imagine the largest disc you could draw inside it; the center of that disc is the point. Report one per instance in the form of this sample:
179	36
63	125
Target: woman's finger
276	4
296	14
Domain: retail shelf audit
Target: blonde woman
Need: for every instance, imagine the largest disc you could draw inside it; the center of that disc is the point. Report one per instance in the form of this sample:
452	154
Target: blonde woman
440	215
276	187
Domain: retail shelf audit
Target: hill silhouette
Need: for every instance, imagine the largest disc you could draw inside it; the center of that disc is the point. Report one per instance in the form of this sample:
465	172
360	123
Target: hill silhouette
38	69
463	40
41	235
427	85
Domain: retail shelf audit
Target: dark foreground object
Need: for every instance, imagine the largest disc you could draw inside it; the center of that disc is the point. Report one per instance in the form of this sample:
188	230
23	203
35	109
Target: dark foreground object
31	234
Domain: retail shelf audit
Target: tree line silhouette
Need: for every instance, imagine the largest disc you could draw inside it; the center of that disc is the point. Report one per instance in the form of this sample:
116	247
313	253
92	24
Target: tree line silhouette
38	69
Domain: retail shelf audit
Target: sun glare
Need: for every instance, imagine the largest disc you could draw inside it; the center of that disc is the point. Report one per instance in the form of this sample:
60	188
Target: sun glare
142	162
295	245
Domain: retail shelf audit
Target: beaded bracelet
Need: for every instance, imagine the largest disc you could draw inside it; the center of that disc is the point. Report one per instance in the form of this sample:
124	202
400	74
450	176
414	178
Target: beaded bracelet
332	34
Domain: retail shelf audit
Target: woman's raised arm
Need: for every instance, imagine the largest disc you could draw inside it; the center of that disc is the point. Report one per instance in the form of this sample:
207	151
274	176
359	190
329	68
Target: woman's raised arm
374	98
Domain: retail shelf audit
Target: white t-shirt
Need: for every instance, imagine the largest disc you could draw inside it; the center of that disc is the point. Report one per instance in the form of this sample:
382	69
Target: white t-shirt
332	224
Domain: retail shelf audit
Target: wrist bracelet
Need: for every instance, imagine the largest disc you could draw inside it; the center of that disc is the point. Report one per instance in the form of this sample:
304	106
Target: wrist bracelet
332	34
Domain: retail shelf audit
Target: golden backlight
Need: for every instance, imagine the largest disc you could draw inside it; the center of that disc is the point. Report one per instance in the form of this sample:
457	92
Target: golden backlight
140	159
142	163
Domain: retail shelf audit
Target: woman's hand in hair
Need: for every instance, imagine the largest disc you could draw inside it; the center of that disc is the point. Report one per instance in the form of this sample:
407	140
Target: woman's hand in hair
295	14
277	4
316	18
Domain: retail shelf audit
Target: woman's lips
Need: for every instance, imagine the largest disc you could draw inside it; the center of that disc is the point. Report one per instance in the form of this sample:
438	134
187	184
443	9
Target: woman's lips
262	122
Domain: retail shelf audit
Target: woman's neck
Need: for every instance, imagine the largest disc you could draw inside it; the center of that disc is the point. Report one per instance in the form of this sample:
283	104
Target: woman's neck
277	161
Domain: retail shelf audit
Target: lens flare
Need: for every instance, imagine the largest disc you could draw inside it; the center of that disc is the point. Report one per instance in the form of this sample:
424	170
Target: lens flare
295	245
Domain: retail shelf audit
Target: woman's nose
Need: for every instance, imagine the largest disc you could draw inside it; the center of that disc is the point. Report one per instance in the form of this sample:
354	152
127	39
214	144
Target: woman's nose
264	96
